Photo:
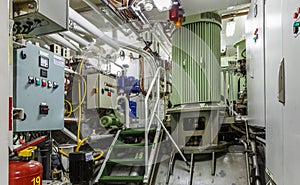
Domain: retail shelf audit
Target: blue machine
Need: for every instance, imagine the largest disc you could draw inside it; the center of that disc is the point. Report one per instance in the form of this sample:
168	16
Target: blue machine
129	84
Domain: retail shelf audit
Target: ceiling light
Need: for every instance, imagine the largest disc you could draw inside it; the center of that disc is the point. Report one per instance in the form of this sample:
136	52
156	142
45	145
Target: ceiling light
148	5
230	28
163	5
230	8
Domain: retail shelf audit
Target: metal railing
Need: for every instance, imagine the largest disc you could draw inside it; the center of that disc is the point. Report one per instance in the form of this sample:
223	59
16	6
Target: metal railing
149	159
148	123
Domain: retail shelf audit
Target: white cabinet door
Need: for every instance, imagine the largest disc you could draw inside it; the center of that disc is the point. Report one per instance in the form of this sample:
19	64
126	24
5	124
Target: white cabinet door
291	128
274	109
256	63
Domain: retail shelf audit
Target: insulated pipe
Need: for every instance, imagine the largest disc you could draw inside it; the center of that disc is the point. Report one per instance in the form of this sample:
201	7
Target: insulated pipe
122	97
76	17
112	21
63	41
113	43
162	33
75	27
77	38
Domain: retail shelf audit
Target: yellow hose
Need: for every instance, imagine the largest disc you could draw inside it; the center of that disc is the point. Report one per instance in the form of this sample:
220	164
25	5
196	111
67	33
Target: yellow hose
71	108
80	101
99	156
63	153
80	144
83	97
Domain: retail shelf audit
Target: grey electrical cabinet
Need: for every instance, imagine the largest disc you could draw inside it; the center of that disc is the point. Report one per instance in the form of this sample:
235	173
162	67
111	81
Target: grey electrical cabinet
40	17
38	89
282	91
256	63
101	91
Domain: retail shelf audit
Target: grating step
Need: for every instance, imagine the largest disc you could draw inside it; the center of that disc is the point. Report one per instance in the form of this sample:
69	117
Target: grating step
129	161
131	145
136	131
121	179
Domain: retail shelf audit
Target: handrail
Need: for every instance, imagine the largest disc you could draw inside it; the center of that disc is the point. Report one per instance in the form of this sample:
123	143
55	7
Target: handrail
156	79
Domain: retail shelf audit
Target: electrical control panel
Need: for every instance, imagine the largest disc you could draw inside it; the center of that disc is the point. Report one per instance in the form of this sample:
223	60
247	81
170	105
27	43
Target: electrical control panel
101	91
38	89
36	17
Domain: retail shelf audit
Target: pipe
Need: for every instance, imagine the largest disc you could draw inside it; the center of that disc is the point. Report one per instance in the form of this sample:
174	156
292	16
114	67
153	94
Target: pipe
114	43
247	161
255	163
63	41
77	38
75	27
76	17
112	21
122	97
94	138
162	33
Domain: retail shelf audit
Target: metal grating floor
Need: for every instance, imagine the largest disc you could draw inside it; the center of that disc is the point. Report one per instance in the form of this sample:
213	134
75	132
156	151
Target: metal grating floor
230	170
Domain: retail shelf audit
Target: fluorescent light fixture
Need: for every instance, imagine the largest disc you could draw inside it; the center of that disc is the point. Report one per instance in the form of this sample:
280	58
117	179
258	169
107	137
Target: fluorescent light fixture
230	28
163	5
230	8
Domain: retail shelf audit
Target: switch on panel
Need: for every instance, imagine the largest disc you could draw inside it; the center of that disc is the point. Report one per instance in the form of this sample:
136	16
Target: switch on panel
30	79
37	81
44	84
50	85
44	109
55	85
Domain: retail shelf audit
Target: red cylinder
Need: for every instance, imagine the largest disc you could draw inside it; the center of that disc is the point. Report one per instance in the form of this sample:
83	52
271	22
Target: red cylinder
25	173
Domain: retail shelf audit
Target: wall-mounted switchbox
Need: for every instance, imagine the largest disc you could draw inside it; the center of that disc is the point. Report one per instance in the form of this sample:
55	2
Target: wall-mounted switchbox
40	17
101	91
38	89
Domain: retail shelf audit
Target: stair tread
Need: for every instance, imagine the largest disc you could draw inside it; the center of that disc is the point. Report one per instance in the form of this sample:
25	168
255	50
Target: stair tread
121	179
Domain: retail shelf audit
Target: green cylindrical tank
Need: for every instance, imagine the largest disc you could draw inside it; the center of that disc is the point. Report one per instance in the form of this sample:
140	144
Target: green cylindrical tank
196	56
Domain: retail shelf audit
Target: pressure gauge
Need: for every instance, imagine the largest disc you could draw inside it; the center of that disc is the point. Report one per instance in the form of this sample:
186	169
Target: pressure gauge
44	62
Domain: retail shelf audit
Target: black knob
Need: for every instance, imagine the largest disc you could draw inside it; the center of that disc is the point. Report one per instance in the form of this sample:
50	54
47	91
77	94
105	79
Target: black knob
23	55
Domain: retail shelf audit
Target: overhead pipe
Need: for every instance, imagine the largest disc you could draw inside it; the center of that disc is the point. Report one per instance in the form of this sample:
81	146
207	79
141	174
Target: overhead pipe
77	38
113	22
163	34
76	17
63	41
92	29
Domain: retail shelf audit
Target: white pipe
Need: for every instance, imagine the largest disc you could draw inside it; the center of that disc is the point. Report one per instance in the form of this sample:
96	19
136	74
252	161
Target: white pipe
76	17
63	41
75	27
77	38
113	43
122	97
163	34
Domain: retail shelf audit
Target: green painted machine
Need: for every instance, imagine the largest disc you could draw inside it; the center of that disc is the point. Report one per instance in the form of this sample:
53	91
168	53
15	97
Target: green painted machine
196	89
110	120
196	60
